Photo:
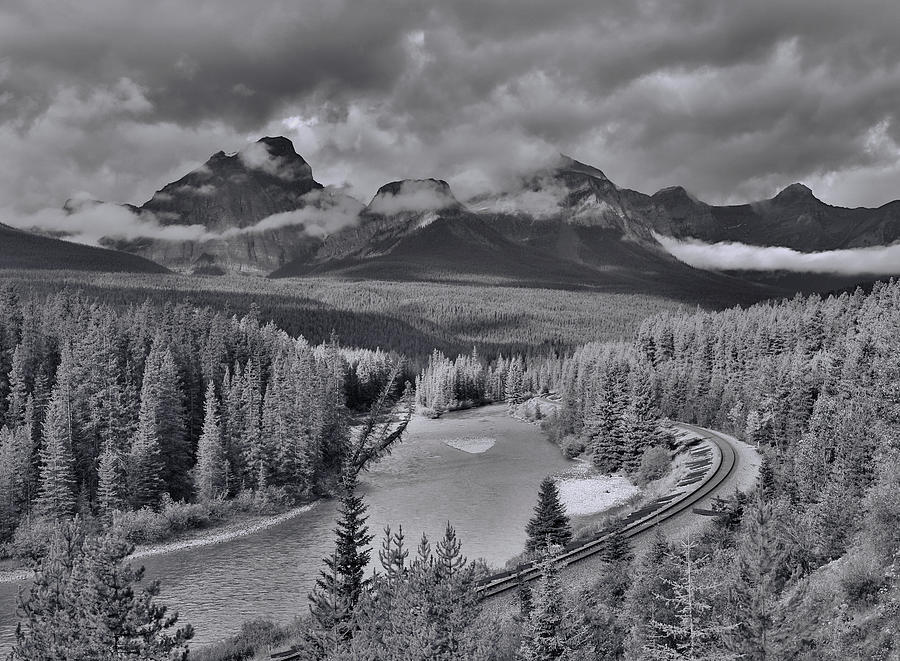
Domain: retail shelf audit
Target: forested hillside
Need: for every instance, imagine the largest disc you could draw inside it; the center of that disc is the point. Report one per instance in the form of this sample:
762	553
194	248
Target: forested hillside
111	409
24	250
410	318
804	568
114	410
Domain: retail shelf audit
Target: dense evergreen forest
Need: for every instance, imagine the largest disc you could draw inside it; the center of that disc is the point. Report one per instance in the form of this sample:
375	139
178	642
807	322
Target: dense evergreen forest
806	567
108	410
410	318
97	397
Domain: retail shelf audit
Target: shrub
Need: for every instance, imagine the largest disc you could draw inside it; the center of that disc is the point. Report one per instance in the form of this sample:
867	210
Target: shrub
143	526
550	425
572	446
861	578
186	516
32	539
270	500
254	636
654	464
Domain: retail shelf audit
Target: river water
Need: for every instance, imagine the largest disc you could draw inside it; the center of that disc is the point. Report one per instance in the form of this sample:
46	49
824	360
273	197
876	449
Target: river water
488	498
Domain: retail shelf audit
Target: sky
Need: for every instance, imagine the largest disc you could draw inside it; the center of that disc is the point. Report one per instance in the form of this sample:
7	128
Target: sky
111	99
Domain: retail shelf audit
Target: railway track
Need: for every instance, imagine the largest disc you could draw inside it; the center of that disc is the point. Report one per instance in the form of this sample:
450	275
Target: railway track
713	461
711	452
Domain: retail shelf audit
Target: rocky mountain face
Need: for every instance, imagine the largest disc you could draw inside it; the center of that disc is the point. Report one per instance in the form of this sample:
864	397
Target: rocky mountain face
237	190
794	218
261	211
226	200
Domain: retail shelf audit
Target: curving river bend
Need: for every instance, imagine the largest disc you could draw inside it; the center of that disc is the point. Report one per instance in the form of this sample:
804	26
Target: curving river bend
488	497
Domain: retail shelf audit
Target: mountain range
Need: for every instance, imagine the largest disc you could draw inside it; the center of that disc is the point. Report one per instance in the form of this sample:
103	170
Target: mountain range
261	211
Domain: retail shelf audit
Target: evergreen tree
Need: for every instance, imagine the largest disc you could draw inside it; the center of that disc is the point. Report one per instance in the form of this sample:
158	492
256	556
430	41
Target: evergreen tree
766	627
145	465
549	525
15	475
693	634
340	586
83	604
121	621
56	495
514	384
211	463
257	458
545	636
111	482
616	548
50	622
174	444
454	600
18	389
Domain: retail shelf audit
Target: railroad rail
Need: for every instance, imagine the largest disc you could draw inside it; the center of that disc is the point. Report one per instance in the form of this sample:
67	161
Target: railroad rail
713	461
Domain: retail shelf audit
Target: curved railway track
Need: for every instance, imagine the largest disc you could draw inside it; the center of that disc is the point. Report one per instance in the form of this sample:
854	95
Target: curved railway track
721	464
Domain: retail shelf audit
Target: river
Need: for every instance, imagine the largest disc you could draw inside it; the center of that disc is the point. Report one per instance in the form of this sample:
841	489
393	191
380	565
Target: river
488	497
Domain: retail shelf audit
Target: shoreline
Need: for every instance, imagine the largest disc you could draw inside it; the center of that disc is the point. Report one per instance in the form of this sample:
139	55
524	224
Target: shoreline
208	537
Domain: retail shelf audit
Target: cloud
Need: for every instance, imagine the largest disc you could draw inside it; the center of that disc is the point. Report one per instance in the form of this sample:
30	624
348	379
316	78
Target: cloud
204	190
543	199
875	261
87	221
327	211
258	156
412	196
90	222
730	100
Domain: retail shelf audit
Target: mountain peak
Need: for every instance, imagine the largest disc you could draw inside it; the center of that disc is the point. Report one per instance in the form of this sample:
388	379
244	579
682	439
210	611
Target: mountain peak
413	195
569	164
674	195
279	146
795	192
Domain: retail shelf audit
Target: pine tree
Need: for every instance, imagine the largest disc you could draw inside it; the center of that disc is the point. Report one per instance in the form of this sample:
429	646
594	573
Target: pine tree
18	389
145	465
454	600
174	444
211	463
15	474
765	626
340	586
514	384
694	635
111	481
616	548
56	495
83	605
233	424
549	525
50	621
544	634
120	621
257	457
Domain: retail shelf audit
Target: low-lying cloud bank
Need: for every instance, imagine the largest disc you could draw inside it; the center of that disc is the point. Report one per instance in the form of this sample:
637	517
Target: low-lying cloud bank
728	256
413	196
543	199
85	221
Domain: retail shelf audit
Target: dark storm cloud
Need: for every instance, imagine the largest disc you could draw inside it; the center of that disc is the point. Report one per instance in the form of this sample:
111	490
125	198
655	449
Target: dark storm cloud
231	60
731	100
